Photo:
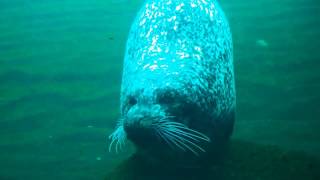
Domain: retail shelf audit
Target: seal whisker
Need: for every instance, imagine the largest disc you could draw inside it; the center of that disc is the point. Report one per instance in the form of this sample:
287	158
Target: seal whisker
184	129
164	119
187	134
180	135
173	140
195	135
169	140
118	137
184	141
111	143
122	143
118	145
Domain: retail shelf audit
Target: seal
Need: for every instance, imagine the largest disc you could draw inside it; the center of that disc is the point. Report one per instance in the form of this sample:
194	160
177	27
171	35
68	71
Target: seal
178	91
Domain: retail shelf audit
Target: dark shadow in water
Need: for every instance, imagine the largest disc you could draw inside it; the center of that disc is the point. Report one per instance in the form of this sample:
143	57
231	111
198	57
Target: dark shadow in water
243	161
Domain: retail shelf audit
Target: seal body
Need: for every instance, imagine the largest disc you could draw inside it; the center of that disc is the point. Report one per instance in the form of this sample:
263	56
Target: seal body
178	64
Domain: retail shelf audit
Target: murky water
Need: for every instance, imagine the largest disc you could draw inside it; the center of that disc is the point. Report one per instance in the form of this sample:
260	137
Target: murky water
60	72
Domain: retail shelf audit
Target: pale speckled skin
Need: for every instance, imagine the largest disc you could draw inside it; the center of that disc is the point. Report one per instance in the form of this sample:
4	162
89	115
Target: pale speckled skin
179	62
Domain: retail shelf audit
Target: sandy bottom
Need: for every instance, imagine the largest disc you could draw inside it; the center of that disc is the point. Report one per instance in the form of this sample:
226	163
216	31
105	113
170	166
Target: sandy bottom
243	161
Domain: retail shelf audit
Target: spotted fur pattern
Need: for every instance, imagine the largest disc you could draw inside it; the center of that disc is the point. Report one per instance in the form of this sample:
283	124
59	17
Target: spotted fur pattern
182	48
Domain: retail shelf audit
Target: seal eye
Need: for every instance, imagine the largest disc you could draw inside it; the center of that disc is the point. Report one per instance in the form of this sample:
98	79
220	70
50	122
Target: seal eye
132	100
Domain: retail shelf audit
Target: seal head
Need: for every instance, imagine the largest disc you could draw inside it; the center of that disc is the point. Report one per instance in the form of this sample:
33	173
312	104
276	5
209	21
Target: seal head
177	93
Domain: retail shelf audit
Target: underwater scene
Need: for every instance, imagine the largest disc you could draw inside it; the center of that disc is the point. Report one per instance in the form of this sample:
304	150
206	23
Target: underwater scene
67	82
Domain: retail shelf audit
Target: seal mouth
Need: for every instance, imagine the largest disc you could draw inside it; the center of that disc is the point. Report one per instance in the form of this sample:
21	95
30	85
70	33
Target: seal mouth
176	135
140	130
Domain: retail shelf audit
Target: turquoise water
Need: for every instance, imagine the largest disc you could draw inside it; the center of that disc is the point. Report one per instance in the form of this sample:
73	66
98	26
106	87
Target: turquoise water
60	72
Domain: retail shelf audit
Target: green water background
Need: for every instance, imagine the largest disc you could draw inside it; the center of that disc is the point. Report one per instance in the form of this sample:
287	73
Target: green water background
60	75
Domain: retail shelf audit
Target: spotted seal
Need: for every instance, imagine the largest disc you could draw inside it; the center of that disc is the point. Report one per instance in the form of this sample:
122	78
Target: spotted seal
178	92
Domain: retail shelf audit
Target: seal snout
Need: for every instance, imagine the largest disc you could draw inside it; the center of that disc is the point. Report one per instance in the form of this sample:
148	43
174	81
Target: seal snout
137	121
138	124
